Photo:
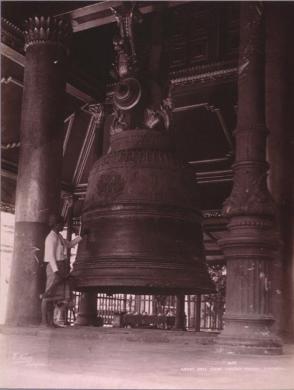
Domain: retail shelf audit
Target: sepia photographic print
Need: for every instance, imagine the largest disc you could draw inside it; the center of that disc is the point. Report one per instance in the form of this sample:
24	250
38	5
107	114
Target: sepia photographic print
147	195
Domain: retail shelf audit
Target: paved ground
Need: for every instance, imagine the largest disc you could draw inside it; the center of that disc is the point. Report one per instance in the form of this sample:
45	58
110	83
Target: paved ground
104	358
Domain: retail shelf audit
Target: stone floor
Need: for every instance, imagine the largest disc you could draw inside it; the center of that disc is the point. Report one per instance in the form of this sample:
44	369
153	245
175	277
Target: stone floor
107	358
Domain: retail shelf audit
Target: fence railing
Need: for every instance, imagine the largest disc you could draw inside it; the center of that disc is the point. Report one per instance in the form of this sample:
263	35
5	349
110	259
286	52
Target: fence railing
203	312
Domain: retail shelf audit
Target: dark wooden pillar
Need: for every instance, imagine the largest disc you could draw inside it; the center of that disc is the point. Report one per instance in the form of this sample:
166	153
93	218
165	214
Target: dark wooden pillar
197	312
87	315
38	183
180	323
251	242
138	303
280	119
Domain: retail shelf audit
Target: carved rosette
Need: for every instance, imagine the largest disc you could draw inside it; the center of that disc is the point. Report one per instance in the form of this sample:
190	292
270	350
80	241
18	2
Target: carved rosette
127	94
47	30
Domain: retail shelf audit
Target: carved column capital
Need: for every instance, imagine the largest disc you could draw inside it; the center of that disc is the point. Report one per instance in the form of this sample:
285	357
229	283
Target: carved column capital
250	195
47	30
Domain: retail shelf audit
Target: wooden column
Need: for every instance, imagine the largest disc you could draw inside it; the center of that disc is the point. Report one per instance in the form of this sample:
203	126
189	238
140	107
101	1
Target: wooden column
197	312
137	303
38	183
280	119
251	242
87	309
180	312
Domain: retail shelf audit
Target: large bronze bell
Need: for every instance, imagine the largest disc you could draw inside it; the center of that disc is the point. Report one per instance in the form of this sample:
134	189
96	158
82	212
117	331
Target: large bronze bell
144	223
141	208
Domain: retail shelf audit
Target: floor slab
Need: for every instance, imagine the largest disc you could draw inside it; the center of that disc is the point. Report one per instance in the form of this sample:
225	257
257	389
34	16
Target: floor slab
108	358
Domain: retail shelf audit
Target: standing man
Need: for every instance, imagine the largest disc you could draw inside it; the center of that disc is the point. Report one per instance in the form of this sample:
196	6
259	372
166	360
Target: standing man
58	289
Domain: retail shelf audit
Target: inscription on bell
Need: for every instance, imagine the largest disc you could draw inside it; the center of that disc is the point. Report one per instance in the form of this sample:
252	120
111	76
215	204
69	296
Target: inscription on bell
110	186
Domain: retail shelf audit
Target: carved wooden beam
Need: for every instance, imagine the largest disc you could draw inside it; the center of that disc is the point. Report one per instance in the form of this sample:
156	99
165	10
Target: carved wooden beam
99	14
69	121
12	80
218	71
219	176
96	112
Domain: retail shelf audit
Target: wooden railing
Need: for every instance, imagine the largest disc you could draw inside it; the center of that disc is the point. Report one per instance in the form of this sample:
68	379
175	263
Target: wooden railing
203	312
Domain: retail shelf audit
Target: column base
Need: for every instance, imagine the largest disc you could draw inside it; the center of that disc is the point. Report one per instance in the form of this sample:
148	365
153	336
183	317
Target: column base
249	336
28	275
85	320
87	315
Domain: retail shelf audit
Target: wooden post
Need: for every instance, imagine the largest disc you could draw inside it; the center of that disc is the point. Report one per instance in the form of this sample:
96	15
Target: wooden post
197	312
39	172
251	242
87	314
180	312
